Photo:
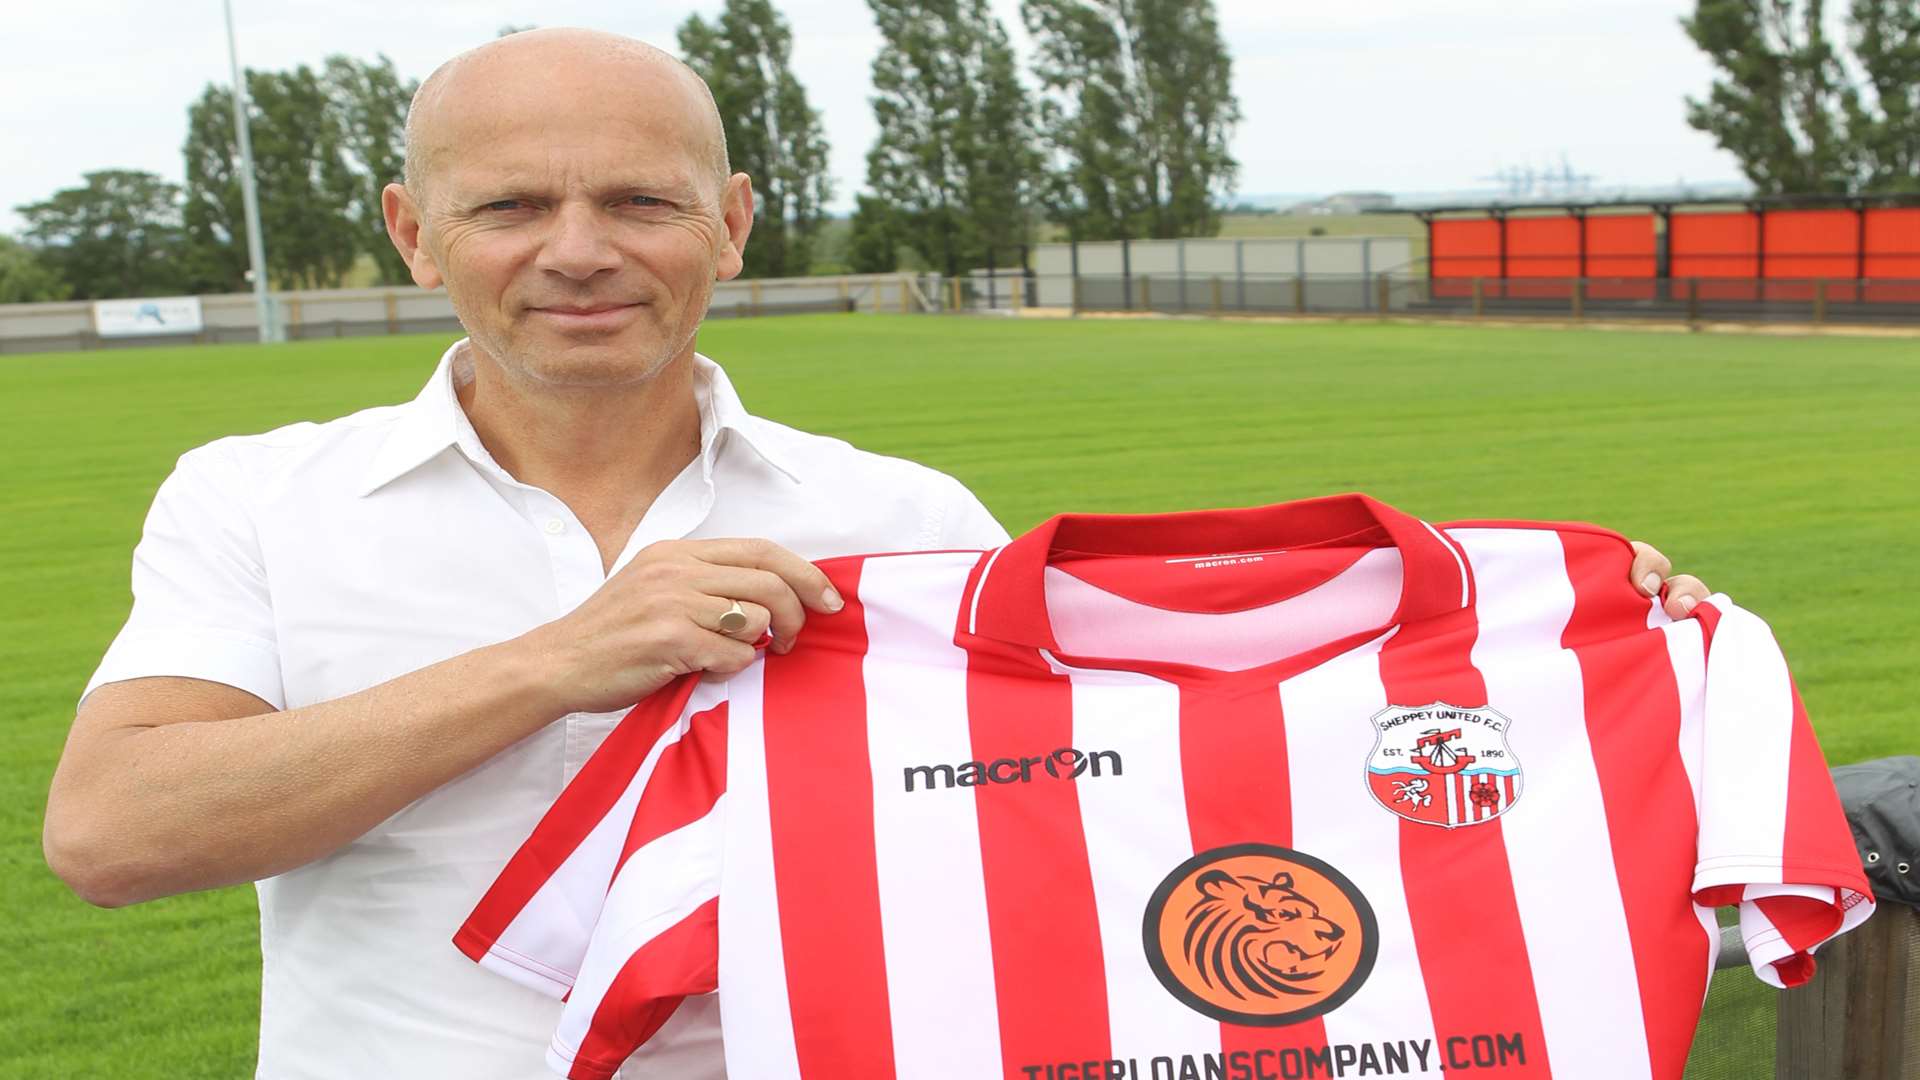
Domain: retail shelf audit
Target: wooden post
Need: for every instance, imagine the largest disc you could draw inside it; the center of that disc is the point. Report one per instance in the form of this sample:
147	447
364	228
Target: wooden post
1850	1020
1299	294
1146	292
953	290
1693	300
1479	297
1019	294
754	286
1820	301
1216	294
846	295
906	294
1579	298
393	313
1382	294
293	316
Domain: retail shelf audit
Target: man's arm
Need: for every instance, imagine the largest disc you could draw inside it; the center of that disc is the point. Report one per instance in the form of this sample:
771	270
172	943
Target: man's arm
169	785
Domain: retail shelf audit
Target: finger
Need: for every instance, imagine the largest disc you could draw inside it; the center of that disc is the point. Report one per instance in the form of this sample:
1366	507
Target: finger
722	655
786	615
805	579
1684	593
1650	569
758	618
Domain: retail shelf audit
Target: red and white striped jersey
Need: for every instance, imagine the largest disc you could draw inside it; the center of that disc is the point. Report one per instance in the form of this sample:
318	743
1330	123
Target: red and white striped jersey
1312	790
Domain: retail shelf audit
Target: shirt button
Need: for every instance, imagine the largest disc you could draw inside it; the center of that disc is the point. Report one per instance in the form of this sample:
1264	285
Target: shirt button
555	526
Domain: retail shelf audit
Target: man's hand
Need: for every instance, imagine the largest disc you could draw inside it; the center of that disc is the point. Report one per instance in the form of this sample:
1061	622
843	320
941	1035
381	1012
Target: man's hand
1651	572
658	618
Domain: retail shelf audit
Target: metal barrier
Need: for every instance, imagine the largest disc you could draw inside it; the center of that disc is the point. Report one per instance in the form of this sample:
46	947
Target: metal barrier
336	313
1815	301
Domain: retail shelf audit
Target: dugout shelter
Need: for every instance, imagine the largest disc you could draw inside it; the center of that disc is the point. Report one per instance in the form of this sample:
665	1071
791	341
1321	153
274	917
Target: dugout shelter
1857	256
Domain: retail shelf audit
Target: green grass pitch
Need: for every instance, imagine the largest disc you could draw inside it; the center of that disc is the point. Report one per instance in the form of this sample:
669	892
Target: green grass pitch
1781	470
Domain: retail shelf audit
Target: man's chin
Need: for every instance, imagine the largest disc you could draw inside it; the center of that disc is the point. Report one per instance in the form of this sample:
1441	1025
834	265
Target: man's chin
617	361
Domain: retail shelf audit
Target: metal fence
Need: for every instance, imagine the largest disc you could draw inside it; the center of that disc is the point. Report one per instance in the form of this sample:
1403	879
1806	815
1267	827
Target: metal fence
336	313
1882	302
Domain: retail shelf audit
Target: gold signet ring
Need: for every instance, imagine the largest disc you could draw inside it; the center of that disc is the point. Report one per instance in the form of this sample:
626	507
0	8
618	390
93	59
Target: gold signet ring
735	619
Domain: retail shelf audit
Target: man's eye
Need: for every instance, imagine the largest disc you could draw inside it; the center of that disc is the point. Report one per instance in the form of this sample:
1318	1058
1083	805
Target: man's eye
503	204
644	200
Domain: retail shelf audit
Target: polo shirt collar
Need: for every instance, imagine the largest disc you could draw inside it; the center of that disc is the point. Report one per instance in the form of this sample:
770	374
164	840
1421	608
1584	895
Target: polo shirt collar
434	422
1008	601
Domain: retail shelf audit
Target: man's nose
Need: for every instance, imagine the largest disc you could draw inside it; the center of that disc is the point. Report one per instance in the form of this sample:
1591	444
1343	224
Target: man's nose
578	243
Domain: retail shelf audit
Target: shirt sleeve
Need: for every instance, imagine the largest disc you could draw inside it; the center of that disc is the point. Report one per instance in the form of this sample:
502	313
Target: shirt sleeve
1773	837
967	523
201	606
612	902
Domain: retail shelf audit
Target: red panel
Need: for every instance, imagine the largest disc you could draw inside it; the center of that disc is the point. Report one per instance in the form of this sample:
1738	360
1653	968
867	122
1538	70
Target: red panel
1621	246
1465	249
1714	246
1893	245
1544	247
1812	244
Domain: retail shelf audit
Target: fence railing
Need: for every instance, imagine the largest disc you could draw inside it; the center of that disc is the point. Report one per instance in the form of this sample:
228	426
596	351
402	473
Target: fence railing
329	313
1889	302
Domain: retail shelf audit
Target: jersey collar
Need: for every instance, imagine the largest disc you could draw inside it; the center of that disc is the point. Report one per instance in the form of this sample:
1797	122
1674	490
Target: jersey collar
1008	600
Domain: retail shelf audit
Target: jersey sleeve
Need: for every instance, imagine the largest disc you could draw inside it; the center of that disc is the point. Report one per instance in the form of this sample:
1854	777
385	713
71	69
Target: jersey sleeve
201	605
1773	838
537	921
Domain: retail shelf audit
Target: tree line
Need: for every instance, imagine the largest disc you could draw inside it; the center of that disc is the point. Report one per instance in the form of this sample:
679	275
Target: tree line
324	144
1119	127
1125	135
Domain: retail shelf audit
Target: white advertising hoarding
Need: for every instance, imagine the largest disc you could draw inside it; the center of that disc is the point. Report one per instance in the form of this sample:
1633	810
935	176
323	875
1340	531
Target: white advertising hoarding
153	315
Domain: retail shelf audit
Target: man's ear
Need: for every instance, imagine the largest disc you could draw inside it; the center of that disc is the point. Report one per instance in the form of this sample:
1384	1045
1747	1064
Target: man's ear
403	228
736	214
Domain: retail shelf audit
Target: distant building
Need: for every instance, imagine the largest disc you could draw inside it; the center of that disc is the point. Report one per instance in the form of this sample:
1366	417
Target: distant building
1345	202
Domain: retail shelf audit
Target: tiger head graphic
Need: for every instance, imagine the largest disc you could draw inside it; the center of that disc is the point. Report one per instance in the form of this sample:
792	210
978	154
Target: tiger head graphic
1252	937
1259	934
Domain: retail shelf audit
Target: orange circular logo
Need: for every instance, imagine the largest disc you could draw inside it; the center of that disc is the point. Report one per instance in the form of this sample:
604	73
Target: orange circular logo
1258	934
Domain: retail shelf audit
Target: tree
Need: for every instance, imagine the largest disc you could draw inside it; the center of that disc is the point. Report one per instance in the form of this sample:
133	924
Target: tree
216	237
368	103
117	236
1885	36
874	244
954	162
773	135
1137	109
300	166
25	278
1779	105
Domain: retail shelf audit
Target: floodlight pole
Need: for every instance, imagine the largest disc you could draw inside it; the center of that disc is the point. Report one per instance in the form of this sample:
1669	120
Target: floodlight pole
256	251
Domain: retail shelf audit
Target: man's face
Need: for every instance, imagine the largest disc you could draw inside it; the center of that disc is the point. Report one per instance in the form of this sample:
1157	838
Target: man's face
577	220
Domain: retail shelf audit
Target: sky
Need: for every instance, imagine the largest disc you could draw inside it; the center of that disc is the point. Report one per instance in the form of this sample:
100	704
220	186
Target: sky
1387	95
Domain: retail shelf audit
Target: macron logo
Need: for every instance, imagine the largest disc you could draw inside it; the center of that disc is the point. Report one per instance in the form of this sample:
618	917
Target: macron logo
1065	763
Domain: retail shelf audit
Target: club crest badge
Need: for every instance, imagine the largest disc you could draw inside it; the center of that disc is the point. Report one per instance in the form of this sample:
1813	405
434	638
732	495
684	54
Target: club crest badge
1441	765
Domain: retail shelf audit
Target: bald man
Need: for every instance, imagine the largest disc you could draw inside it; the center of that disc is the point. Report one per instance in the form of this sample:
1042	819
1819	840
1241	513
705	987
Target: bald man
365	656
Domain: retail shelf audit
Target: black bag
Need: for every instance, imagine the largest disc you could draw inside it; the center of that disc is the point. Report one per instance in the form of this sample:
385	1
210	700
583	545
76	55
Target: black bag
1882	801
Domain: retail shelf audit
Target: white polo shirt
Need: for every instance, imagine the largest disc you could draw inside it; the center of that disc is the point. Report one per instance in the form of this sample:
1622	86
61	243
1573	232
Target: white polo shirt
317	560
